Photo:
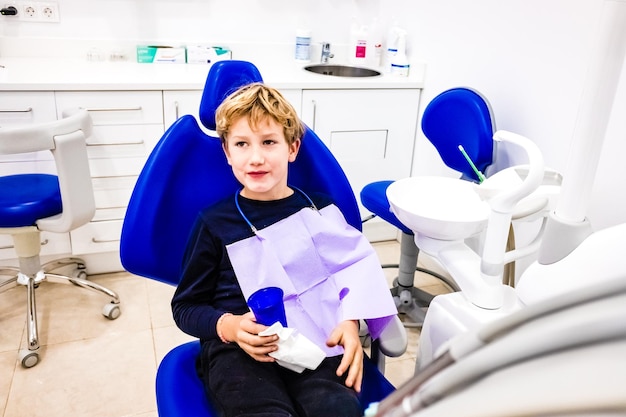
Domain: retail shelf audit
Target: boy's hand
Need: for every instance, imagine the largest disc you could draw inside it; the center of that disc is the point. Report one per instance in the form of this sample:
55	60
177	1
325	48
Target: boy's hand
346	334
244	331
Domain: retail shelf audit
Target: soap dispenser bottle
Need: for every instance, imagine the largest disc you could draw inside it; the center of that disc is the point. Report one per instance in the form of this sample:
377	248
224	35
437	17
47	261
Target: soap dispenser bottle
358	44
400	63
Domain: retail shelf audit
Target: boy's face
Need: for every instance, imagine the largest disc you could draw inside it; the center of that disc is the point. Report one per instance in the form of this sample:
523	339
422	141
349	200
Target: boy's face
260	158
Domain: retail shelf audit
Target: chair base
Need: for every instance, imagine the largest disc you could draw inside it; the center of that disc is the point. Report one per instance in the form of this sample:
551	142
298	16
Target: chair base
77	276
411	301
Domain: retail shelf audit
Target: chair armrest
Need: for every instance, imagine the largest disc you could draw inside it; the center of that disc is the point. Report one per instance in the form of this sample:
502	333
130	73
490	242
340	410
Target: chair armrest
72	164
393	340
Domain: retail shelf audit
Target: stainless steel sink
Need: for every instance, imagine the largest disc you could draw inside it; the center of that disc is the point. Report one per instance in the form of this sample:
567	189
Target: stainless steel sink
341	70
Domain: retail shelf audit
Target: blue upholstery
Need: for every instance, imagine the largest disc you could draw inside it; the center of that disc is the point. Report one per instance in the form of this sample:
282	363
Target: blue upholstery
460	116
374	198
231	76
186	172
26	198
173	399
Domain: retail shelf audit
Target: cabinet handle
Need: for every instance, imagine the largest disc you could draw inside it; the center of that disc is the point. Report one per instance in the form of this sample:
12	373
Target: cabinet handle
94	109
176	109
314	103
94	240
138	142
43	243
26	110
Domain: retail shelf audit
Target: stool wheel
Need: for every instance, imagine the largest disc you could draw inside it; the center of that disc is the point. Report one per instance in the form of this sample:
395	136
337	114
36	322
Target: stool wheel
28	358
111	311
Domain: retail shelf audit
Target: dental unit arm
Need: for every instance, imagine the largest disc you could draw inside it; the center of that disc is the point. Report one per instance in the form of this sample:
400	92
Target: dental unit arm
503	205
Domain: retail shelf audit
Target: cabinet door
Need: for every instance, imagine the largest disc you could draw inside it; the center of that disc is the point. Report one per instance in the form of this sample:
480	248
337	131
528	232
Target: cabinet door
295	98
179	103
370	132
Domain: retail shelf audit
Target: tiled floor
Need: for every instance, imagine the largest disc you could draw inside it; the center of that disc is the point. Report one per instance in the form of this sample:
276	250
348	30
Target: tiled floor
94	367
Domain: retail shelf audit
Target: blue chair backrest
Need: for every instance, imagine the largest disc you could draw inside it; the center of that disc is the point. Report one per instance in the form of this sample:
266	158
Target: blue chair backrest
460	116
187	172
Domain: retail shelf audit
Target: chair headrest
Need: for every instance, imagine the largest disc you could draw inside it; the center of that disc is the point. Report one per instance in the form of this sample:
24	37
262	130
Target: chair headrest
224	78
460	116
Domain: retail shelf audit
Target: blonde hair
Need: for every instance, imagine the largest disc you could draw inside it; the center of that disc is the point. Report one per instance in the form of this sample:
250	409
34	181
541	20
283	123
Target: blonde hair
258	101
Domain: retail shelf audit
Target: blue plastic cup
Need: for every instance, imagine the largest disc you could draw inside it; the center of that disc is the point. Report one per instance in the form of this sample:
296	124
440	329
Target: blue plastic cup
267	306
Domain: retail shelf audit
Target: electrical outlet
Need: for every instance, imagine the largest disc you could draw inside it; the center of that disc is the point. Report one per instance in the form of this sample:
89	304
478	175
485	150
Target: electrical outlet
49	11
29	11
37	11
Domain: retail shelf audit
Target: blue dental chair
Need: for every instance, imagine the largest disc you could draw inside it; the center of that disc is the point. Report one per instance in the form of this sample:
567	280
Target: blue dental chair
186	172
456	116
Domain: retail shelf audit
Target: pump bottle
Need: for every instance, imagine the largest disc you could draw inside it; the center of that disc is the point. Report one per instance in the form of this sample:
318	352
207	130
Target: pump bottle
400	63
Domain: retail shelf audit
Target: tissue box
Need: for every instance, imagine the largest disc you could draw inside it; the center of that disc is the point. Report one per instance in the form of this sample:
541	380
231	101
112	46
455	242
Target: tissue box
160	54
204	54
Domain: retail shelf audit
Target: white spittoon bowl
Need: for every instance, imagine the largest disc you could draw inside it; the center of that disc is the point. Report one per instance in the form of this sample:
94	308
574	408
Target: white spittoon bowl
438	207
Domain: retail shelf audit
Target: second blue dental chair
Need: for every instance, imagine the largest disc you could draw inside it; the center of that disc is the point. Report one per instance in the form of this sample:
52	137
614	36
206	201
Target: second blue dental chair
186	172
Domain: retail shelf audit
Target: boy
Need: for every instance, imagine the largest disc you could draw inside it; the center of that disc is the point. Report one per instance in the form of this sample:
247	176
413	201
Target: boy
228	257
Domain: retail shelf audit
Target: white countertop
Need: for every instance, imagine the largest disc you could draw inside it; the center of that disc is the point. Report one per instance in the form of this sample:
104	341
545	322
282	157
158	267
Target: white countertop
48	74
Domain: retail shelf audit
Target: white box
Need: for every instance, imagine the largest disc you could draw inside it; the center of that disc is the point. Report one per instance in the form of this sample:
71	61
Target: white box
205	54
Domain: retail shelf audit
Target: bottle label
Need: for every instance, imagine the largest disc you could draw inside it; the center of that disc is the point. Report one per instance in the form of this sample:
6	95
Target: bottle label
361	46
303	48
400	69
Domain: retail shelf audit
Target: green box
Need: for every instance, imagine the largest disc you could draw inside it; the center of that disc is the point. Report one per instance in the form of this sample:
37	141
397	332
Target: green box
156	54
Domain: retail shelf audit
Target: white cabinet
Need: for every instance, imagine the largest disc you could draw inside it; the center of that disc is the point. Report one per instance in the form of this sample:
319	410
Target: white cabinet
370	132
127	125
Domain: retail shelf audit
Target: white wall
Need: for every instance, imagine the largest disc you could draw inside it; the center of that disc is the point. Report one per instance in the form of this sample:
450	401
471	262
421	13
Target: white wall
528	57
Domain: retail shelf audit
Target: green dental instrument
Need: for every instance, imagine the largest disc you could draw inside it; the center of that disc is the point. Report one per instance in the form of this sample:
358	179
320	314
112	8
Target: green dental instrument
479	174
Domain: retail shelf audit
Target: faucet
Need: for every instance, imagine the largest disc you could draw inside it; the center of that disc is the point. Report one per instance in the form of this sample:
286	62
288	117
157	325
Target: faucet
326	54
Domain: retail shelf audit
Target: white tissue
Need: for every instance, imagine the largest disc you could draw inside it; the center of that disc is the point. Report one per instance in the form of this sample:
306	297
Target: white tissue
295	351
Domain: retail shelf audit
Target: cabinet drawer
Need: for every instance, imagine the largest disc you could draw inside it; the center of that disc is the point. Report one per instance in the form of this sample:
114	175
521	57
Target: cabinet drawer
144	136
112	196
26	107
51	244
96	237
114	107
121	150
116	167
27	167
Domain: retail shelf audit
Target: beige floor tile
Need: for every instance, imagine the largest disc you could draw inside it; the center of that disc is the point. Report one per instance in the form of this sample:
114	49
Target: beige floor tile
109	375
68	313
398	372
167	338
12	318
8	361
159	298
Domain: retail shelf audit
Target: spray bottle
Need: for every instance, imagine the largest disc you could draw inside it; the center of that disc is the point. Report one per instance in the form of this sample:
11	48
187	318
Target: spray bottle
400	63
392	45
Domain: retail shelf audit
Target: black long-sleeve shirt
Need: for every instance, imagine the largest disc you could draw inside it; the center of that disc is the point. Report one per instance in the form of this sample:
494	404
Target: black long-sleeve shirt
208	287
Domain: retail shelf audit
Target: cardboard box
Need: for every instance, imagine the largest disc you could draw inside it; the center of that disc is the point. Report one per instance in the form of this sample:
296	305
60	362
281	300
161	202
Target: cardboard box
205	54
161	54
